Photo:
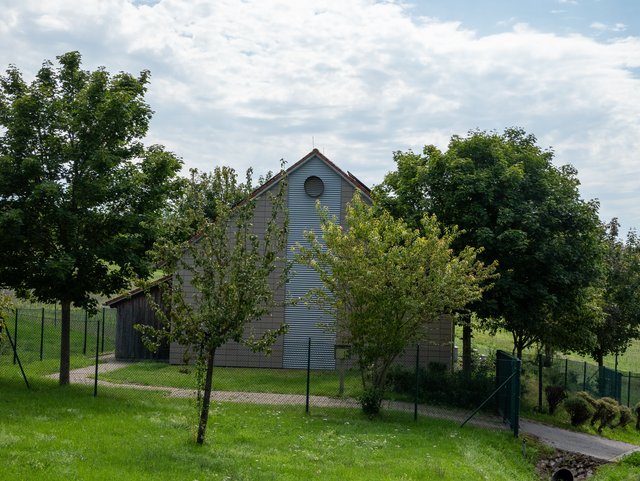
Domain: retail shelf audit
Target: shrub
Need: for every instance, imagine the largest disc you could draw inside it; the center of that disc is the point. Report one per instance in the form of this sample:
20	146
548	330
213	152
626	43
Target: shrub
587	397
637	410
606	411
371	400
579	410
625	416
555	395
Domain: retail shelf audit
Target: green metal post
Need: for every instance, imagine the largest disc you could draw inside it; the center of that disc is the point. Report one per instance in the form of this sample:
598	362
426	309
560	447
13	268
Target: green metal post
539	382
84	348
584	377
102	346
308	375
566	369
629	391
15	338
415	402
42	334
95	377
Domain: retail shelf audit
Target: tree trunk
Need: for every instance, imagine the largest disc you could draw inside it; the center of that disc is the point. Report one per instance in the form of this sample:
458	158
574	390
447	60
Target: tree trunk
600	359
466	348
204	413
519	349
548	355
65	342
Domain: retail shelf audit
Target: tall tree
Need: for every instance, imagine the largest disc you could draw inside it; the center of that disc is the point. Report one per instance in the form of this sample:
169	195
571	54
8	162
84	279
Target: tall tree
620	295
506	196
386	282
78	190
224	278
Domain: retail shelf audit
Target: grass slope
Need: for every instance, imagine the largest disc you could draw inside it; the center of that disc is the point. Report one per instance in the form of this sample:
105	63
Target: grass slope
65	434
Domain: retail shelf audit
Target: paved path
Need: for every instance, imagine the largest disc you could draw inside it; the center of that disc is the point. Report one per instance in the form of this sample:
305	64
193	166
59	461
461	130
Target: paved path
590	445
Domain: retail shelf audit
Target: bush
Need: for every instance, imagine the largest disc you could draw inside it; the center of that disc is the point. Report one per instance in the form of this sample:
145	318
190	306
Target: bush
370	400
555	395
438	385
625	416
606	411
587	397
637	410
579	410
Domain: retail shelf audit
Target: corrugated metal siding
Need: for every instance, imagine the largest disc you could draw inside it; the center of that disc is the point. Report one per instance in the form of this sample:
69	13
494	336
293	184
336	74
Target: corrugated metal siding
302	320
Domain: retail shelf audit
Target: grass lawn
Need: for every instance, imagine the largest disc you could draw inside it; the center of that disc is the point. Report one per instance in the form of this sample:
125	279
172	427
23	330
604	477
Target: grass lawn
285	381
487	343
65	434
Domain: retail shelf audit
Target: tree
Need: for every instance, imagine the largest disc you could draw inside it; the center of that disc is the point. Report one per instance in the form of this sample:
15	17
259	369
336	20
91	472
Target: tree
78	190
506	196
386	282
620	295
233	270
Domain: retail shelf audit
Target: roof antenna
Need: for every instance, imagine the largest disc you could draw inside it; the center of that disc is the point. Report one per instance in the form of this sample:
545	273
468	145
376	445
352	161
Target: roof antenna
313	142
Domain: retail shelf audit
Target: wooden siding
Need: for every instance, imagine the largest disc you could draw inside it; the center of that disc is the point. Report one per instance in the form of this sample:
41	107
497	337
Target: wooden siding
136	310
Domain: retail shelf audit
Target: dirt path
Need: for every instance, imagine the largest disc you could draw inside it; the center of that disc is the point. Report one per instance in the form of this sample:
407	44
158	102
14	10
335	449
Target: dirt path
582	443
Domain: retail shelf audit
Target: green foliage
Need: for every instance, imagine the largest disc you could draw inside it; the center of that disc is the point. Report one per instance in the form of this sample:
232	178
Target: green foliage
437	385
625	416
555	395
507	197
606	410
232	269
5	311
619	295
386	282
79	192
580	411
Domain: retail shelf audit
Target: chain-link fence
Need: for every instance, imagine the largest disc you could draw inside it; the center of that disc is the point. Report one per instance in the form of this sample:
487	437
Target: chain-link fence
576	376
31	342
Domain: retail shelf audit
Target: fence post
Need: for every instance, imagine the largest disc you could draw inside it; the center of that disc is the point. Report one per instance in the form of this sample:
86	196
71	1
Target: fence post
629	391
84	348
539	382
617	388
102	346
308	376
15	338
55	314
566	369
95	377
42	334
584	377
415	402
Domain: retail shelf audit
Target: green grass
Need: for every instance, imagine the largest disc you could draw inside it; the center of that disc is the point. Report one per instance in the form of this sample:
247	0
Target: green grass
487	343
65	434
285	381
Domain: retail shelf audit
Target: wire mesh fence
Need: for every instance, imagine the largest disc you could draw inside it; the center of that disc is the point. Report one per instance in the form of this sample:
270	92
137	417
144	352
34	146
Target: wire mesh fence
575	376
35	334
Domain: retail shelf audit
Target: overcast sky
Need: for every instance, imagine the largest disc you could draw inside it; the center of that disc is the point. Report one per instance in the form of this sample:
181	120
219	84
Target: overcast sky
247	82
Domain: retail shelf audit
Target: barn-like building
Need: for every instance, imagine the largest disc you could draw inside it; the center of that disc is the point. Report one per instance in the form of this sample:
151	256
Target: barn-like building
313	178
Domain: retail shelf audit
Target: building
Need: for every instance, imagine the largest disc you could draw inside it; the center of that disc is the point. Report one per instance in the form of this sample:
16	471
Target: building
313	178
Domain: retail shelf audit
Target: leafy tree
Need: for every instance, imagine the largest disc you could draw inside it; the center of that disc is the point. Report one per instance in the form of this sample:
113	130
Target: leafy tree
233	270
78	190
620	295
386	282
506	196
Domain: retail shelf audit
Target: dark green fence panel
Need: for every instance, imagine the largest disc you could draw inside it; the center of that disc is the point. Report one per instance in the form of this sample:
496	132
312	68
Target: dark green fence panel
508	370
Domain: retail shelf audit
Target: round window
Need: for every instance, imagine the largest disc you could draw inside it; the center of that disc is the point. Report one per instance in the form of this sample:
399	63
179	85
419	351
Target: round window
313	186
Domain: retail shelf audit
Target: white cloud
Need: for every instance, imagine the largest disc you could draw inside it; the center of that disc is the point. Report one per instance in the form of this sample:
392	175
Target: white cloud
616	27
249	82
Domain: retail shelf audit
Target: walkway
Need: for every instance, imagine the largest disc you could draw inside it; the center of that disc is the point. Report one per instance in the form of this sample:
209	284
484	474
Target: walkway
587	444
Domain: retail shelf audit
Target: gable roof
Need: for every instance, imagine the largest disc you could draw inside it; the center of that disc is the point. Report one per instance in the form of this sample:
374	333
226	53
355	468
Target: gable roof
347	176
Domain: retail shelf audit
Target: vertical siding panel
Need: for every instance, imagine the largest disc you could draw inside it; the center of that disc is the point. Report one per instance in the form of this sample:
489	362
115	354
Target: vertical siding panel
303	320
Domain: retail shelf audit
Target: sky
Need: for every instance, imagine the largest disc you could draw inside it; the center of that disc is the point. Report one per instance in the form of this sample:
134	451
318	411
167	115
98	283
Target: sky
249	82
